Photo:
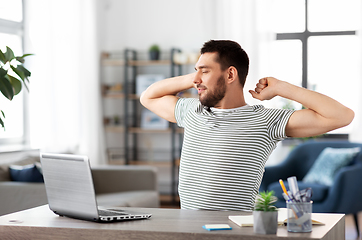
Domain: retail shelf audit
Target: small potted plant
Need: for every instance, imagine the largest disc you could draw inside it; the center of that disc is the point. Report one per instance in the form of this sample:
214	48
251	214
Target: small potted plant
265	213
154	52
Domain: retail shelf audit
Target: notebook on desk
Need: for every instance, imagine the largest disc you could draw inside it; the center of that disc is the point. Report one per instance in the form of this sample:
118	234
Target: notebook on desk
70	190
248	220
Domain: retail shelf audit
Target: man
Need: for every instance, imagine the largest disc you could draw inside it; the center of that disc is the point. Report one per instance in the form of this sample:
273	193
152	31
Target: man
226	141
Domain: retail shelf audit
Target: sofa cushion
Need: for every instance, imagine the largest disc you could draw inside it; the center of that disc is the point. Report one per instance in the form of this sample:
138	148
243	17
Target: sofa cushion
329	161
22	161
129	199
27	173
320	191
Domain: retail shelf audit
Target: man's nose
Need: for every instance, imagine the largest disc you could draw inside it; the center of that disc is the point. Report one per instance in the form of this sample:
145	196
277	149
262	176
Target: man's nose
197	79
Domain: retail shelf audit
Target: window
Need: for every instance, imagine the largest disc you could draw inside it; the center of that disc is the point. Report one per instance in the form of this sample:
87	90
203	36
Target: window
317	47
11	34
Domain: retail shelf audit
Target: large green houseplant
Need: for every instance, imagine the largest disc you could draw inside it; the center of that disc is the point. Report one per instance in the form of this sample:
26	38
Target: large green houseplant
265	213
12	76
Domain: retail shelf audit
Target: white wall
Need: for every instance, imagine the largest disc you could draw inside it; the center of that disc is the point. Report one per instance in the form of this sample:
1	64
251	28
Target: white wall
185	24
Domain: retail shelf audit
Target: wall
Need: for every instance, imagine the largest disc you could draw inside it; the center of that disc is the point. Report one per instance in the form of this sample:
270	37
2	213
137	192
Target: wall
170	23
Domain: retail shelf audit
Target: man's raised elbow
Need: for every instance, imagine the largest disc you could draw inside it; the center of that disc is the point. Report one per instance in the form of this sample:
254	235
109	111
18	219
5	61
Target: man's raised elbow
347	117
143	99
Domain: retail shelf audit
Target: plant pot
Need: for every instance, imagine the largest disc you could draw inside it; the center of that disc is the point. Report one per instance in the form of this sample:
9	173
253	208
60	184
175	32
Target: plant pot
265	222
154	55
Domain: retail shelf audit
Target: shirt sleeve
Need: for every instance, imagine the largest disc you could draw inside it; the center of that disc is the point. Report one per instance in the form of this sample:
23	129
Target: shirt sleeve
183	106
277	122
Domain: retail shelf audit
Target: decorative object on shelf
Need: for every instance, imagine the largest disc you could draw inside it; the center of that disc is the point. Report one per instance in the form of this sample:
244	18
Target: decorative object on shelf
149	120
186	57
106	121
116	87
265	213
143	81
154	52
116	120
12	72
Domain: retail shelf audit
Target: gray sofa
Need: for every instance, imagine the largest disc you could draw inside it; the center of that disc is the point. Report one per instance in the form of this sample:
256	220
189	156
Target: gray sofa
116	186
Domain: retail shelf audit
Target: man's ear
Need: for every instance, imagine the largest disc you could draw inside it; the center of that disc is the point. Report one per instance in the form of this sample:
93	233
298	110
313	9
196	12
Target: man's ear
232	74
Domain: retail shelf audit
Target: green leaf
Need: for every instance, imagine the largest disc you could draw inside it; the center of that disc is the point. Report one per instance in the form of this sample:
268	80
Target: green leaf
265	201
3	72
18	72
2	123
6	88
2	57
16	84
26	55
9	54
24	70
21	58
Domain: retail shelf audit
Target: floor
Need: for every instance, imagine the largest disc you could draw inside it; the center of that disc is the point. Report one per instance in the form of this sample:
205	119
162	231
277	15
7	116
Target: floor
351	233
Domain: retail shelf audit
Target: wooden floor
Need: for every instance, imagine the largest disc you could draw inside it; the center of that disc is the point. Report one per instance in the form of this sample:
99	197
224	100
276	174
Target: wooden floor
351	233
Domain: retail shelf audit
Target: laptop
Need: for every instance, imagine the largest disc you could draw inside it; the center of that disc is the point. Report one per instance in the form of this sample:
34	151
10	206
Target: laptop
70	190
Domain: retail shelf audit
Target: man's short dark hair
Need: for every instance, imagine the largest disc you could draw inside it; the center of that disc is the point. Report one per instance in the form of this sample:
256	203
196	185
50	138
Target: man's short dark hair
230	53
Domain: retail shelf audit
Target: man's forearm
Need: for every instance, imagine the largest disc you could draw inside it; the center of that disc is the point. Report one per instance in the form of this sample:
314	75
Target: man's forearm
161	97
170	86
322	113
322	104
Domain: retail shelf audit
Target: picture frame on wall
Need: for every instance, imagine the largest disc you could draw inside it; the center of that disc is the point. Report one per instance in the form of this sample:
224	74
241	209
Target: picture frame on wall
143	81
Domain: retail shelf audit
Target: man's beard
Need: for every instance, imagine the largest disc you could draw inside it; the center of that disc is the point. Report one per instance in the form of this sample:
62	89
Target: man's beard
213	97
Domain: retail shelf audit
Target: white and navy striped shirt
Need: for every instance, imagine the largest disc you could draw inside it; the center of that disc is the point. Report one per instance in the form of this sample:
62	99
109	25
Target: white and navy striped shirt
224	153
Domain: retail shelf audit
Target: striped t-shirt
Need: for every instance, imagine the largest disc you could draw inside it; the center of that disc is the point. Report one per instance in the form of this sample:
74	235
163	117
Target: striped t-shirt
224	153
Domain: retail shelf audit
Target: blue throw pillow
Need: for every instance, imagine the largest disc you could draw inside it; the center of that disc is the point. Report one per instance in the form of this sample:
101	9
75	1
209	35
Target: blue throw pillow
329	161
28	173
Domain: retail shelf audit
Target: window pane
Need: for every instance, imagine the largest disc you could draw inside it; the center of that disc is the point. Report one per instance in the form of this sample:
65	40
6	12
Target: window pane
334	69
333	15
286	64
11	10
287	60
14	121
289	16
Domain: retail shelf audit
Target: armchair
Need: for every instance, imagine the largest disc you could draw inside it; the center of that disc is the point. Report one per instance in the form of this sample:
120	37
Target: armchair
345	194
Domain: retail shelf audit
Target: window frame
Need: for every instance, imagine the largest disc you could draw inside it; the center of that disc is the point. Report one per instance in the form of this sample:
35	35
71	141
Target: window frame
16	28
303	37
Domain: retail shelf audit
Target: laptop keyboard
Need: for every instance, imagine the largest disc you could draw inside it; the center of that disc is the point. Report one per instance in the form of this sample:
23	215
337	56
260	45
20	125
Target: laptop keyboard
110	213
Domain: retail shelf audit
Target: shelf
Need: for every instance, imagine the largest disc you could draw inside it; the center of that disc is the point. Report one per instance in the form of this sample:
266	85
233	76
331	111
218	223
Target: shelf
113	62
137	63
148	62
142	130
149	163
124	89
120	129
120	96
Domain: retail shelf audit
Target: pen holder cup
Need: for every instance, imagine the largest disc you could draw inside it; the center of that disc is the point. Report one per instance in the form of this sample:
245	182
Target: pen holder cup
299	216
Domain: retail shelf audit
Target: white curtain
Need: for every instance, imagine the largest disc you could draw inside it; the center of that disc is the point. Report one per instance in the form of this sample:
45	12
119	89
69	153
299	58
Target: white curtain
64	98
